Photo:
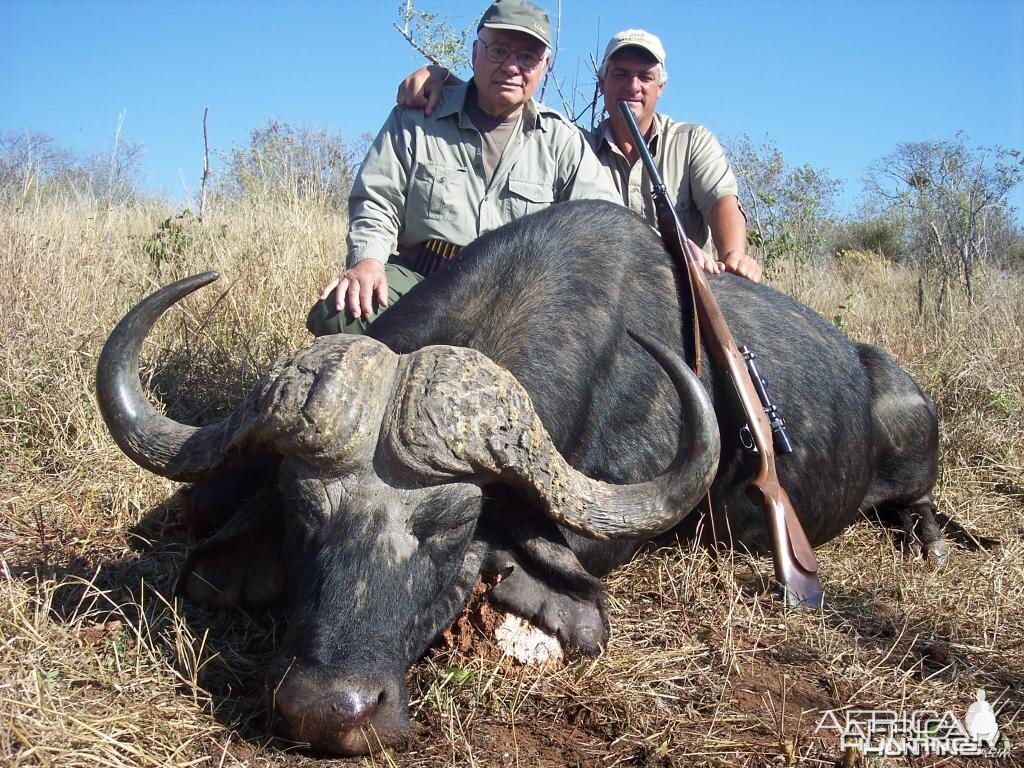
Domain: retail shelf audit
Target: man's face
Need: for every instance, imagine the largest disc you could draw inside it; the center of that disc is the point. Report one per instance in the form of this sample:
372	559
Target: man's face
635	77
503	88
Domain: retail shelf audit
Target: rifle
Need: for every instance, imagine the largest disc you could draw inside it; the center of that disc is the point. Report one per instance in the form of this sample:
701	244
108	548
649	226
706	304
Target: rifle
796	567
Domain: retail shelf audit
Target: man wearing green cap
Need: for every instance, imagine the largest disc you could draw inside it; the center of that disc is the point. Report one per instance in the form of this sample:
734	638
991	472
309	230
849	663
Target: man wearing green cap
689	158
486	155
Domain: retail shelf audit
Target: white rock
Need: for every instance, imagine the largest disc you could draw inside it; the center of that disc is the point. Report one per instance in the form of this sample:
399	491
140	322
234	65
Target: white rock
527	644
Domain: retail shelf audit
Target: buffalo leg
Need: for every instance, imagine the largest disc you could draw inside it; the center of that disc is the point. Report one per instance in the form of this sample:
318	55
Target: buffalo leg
918	528
542	579
575	619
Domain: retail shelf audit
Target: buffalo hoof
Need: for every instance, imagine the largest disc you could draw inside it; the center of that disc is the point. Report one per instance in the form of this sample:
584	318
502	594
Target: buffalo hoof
578	622
917	530
937	551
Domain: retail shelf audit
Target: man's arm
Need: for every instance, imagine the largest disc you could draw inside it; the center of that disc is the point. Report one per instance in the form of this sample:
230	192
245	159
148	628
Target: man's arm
729	233
422	89
376	214
715	192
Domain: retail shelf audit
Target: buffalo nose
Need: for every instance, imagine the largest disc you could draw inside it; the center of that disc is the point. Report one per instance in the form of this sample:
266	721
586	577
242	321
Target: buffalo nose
353	705
307	705
344	714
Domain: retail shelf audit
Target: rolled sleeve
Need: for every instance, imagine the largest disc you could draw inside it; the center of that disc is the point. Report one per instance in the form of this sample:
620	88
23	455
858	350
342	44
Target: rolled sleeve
711	176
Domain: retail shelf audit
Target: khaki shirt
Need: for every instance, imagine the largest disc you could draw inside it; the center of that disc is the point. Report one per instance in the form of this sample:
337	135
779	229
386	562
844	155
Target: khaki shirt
691	162
424	177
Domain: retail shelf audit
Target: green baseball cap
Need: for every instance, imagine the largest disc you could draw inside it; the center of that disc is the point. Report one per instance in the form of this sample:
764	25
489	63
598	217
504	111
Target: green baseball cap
518	16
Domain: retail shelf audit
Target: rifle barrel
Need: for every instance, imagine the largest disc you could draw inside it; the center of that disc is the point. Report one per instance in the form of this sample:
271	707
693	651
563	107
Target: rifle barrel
795	564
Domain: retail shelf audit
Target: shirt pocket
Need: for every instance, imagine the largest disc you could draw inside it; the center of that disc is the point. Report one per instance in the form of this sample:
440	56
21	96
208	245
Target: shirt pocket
438	192
684	196
525	196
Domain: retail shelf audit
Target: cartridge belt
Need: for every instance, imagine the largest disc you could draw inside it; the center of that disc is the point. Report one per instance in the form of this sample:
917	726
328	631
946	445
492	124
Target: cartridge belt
428	256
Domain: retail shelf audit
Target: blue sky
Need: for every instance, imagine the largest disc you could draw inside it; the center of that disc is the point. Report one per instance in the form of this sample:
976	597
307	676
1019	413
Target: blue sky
832	84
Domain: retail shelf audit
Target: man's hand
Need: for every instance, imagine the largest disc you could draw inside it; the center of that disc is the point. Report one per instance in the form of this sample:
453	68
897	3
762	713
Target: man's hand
706	261
358	287
742	264
422	89
729	232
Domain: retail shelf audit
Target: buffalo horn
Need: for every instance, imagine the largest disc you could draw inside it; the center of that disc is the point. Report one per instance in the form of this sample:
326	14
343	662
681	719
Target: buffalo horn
460	413
147	437
312	402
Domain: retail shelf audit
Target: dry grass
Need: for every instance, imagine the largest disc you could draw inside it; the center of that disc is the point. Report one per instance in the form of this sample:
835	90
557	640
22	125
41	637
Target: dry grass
98	666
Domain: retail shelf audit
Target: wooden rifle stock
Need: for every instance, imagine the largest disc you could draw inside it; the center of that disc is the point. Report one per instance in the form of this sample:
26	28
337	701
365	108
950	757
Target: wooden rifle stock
795	564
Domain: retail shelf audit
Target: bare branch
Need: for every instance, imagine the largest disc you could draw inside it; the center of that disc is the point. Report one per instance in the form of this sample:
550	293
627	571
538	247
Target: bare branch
206	166
419	49
554	55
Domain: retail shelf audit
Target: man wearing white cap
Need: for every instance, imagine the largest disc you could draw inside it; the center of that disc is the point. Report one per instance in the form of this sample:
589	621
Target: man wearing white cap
689	158
487	154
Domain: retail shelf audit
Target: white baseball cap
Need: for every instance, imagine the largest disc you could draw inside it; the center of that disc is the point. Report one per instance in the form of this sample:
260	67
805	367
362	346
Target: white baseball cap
635	38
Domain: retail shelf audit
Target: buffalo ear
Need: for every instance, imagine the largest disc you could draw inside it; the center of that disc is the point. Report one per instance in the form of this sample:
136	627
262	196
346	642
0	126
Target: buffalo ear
242	565
210	504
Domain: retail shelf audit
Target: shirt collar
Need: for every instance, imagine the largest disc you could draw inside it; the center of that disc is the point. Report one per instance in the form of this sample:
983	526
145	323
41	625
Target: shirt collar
453	103
657	127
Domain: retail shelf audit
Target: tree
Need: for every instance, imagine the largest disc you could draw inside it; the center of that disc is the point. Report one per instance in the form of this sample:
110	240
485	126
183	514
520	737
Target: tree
114	176
28	159
435	37
286	163
32	163
871	233
952	199
1005	239
790	211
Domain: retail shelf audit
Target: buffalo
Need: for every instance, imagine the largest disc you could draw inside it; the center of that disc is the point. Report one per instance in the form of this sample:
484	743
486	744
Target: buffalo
525	412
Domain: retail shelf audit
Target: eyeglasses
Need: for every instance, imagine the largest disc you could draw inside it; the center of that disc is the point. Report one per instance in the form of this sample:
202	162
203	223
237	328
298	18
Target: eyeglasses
499	54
